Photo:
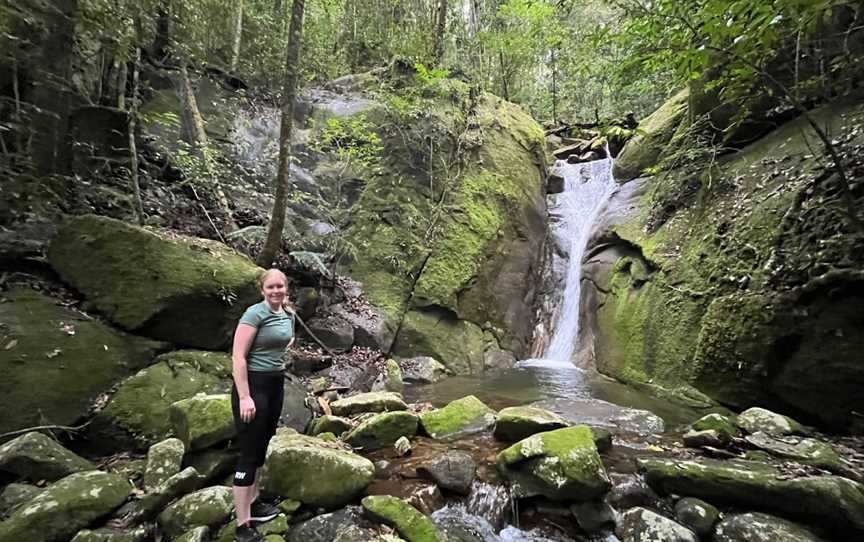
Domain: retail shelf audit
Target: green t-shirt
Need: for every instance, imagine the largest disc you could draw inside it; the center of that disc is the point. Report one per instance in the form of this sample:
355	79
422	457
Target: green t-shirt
274	330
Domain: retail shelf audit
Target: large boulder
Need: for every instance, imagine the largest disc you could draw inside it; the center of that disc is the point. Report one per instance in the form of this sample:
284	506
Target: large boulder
313	471
14	495
459	418
330	424
37	457
382	430
408	521
185	290
770	423
65	507
756	527
207	507
377	401
139	410
453	471
832	502
137	534
164	460
57	361
203	420
561	465
422	370
643	525
157	498
517	423
457	343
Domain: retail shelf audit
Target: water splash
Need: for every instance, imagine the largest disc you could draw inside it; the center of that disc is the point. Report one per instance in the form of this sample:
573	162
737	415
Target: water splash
587	187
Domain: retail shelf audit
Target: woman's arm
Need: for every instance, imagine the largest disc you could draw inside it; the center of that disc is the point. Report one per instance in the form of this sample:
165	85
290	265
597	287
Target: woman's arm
243	336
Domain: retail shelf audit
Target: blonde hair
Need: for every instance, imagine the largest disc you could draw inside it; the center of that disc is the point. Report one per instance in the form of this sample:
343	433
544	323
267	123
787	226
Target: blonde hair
269	273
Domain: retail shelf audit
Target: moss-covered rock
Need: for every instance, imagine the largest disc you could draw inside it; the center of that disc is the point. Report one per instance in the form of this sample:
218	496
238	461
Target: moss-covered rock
197	534
803	450
164	460
757	419
517	423
14	495
136	534
184	290
654	133
382	430
377	401
390	378
65	507
314	472
459	418
832	502
642	525
561	465
330	424
697	515
438	334
155	500
207	507
756	527
37	457
422	370
723	425
139	410
57	361
203	420
408	521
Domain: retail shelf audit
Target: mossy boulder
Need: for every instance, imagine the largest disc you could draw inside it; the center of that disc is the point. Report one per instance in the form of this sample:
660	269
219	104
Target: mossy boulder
411	525
157	498
390	378
330	424
756	527
517	423
14	495
203	420
459	418
642	525
164	460
723	425
36	457
139	410
457	343
561	465
197	534
382	430
184	290
376	401
654	133
207	507
65	507
136	534
697	515
422	370
313	471
831	502
57	361
808	451
761	420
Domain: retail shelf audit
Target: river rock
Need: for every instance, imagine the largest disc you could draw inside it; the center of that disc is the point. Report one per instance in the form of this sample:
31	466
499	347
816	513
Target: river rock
593	516
380	401
643	525
408	521
390	378
47	347
334	331
554	183
804	450
14	495
629	491
561	465
330	424
148	506
517	423
453	471
295	413
756	527
498	359
723	425
208	507
137	534
313	471
212	464
163	461
458	344
197	534
37	457
139	411
382	430
402	446
597	413
370	327
329	527
421	370
65	507
757	419
697	514
184	290
697	439
203	420
833	502
461	417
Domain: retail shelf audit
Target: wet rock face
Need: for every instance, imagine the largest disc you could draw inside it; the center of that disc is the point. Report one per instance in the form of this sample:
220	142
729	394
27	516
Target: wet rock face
453	471
36	457
756	527
643	525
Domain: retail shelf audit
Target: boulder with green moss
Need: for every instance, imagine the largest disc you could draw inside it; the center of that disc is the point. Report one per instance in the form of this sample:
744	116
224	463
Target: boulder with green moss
723	425
517	423
411	525
164	460
376	401
185	290
203	420
459	418
561	465
313	471
382	430
196	534
457	343
390	378
14	495
761	420
832	502
138	412
808	451
642	525
330	424
207	507
65	507
756	527
157	498
36	457
57	361
137	534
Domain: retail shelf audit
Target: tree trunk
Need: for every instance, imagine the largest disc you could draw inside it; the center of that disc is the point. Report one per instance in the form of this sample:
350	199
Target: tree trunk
159	50
133	149
554	88
237	29
440	28
292	74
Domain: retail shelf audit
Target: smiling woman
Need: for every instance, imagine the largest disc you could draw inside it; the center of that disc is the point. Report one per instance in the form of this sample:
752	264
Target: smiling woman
263	333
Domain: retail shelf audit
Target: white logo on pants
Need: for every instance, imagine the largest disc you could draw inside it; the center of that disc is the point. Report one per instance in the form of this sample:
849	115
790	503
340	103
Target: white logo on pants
239	475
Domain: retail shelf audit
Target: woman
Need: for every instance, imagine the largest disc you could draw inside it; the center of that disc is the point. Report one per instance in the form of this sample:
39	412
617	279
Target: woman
265	330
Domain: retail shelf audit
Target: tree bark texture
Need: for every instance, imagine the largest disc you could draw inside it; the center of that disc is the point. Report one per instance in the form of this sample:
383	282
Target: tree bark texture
440	29
237	31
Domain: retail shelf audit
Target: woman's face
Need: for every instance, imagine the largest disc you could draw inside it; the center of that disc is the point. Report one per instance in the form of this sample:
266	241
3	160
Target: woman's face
274	290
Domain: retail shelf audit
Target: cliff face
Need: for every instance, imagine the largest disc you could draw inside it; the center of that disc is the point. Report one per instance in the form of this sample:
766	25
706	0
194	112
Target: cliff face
744	278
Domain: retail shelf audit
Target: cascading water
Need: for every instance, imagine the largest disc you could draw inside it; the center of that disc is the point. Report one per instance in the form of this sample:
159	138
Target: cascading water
587	187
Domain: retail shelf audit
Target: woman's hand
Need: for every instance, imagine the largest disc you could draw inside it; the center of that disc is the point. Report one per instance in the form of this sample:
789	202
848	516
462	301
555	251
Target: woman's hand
247	409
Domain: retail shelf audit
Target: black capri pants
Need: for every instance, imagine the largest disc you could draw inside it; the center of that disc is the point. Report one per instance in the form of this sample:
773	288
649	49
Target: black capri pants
267	390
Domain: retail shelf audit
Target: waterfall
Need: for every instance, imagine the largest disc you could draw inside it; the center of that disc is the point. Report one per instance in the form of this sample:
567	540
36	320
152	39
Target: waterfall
587	187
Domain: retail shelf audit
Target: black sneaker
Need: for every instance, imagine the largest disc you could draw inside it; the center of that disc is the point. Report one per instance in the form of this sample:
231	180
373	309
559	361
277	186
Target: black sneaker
260	512
245	533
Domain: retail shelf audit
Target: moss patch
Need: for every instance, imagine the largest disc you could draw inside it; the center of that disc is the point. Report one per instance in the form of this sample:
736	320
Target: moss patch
409	522
465	415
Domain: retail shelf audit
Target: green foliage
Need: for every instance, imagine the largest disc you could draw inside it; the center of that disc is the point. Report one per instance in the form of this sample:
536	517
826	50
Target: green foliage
352	139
